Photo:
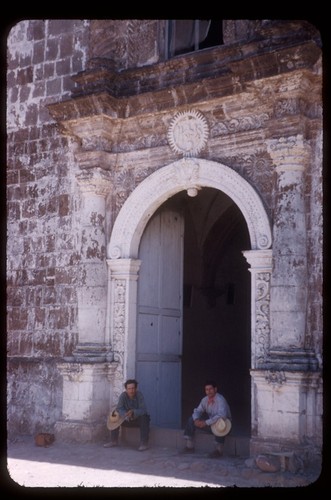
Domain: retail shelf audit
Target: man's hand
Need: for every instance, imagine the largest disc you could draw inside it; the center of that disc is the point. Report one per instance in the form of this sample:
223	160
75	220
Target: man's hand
200	423
129	414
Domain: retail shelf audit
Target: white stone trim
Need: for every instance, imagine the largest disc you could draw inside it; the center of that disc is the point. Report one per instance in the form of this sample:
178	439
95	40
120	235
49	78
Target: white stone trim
186	174
122	315
260	262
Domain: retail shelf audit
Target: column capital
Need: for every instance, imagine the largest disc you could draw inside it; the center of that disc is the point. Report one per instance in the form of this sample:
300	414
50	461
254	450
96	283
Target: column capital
97	181
259	259
289	153
121	268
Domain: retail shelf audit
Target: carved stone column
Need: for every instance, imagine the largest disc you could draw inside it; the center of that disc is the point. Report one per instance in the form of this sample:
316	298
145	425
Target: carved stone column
283	400
88	376
122	316
92	284
288	303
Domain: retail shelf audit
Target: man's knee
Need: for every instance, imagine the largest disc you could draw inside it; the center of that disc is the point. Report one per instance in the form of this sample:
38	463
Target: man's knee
145	418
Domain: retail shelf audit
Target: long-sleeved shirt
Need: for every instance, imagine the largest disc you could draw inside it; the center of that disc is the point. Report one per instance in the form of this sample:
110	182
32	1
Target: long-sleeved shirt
137	404
215	409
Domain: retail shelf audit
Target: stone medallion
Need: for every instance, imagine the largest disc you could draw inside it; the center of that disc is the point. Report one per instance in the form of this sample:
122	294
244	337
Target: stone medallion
188	133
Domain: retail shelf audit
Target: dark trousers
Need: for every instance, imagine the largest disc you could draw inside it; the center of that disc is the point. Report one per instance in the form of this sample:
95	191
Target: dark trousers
141	422
190	429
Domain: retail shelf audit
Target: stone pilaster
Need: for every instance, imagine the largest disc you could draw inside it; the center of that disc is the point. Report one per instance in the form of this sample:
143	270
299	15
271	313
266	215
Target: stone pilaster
92	286
288	292
122	307
260	262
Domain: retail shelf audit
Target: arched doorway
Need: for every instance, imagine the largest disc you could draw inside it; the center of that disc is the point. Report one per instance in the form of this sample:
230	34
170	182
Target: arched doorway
194	307
235	221
216	308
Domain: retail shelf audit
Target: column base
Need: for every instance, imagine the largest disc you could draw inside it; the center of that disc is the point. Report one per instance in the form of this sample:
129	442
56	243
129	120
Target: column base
72	431
303	455
93	353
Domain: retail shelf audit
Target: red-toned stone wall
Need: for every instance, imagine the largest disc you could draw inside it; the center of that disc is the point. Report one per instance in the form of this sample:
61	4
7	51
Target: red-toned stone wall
42	243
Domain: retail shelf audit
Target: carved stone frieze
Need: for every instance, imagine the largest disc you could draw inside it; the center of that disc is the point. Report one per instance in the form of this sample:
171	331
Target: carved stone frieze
257	168
240	124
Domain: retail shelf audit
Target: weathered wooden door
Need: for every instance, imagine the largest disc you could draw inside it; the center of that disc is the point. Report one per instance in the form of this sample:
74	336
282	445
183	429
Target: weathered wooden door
159	325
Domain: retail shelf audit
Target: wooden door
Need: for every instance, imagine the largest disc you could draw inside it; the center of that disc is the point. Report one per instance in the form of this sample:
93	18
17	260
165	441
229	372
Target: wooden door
159	322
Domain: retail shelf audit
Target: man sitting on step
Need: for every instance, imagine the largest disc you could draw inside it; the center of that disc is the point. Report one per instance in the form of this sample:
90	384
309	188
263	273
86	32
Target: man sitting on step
213	416
130	411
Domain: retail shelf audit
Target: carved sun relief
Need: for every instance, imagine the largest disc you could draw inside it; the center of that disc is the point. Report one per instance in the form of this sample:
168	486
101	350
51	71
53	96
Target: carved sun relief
188	133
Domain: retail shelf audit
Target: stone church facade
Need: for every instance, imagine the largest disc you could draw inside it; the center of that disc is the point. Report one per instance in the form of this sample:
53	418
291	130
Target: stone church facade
112	138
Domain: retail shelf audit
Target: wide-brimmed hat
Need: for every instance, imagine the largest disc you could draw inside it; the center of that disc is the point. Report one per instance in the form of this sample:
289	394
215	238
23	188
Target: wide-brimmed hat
114	420
222	427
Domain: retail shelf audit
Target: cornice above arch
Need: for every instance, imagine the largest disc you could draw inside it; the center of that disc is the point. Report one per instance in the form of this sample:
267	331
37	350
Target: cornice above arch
187	174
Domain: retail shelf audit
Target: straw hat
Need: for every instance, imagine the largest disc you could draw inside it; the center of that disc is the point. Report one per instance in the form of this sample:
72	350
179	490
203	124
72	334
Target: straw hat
114	420
222	427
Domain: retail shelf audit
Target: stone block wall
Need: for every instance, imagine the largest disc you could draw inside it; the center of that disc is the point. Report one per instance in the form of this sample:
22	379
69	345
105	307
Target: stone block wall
42	245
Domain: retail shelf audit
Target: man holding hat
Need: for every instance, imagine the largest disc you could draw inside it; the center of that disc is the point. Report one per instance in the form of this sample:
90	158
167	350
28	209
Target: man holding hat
130	411
212	415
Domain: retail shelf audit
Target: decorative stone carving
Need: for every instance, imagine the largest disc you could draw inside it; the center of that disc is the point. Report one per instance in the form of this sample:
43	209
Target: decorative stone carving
119	316
188	172
188	133
262	315
276	378
240	124
122	290
260	268
171	179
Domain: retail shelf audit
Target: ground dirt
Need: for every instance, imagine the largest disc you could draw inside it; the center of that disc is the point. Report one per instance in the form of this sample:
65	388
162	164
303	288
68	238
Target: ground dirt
91	467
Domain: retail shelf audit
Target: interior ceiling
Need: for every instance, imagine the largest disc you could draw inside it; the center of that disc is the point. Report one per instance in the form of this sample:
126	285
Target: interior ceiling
205	210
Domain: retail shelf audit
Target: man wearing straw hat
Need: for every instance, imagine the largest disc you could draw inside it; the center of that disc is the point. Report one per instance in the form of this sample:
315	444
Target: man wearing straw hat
213	416
130	411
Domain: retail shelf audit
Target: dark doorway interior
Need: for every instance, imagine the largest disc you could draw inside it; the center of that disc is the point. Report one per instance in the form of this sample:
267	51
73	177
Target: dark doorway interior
216	312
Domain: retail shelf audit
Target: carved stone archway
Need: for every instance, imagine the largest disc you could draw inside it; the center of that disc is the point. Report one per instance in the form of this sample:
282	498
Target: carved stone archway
190	174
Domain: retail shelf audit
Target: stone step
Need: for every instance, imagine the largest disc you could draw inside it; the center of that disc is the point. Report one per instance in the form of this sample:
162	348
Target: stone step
237	446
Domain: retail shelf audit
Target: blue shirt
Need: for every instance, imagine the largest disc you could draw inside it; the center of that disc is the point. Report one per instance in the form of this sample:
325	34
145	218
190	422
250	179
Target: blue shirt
137	404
